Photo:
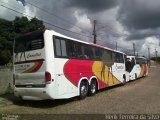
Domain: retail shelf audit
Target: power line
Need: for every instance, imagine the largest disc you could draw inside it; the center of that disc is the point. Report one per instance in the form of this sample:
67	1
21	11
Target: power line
113	33
45	21
113	46
55	25
51	14
116	34
54	15
10	5
111	43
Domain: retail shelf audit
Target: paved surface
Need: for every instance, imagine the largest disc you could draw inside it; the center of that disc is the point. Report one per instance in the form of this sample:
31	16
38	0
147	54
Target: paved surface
136	97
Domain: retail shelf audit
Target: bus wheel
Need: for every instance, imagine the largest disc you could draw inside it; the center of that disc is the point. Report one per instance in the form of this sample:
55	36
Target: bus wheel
124	80
135	76
83	89
93	88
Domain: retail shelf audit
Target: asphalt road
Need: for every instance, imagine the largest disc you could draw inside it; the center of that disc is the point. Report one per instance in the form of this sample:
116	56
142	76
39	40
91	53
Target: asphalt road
137	97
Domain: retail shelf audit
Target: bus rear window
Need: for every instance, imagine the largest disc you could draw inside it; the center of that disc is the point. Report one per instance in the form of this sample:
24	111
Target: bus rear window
141	60
29	42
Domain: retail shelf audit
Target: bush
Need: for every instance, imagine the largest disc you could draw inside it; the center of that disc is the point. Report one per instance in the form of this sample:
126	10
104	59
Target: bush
5	57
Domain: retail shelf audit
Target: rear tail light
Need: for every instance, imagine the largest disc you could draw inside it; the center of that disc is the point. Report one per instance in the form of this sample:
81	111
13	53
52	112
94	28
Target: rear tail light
48	77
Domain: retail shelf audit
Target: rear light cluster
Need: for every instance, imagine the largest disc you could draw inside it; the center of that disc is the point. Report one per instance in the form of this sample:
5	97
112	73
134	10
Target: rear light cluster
48	77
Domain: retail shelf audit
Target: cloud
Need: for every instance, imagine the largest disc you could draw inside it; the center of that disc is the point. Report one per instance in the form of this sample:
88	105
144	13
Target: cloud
84	24
82	20
152	43
140	18
6	13
124	21
10	9
55	13
140	14
29	11
92	6
142	34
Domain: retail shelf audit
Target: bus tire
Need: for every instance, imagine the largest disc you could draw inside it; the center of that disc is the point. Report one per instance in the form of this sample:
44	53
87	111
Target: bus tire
83	89
93	87
135	76
124	80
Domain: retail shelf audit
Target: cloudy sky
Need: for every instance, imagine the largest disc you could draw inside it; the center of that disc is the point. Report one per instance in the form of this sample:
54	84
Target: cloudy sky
122	21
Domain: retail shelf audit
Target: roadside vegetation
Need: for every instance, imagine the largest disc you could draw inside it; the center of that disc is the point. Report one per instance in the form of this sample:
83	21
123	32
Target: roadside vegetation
156	59
11	29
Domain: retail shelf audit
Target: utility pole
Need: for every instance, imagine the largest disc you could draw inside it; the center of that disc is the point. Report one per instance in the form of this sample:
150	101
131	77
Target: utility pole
137	54
149	56
116	45
156	54
134	49
94	32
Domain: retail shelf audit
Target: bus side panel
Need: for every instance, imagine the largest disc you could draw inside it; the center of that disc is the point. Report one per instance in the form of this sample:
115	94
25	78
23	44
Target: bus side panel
136	70
76	69
118	70
144	70
60	87
51	88
147	67
65	87
29	70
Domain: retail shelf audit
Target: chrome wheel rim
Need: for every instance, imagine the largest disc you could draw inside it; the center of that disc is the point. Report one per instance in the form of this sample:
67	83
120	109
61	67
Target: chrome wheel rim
83	90
93	88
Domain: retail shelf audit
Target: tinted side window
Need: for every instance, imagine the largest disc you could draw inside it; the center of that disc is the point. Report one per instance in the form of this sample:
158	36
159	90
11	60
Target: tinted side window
141	61
80	50
63	48
119	58
99	53
88	52
138	61
30	42
60	47
107	58
57	47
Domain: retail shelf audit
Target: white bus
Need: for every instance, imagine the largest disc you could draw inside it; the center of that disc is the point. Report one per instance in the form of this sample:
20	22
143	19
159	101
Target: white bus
137	67
49	65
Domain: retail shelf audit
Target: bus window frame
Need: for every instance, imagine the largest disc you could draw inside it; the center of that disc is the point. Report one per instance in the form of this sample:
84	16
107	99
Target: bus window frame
24	37
97	51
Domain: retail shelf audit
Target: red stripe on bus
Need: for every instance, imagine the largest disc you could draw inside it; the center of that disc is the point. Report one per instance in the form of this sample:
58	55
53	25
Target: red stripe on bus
34	68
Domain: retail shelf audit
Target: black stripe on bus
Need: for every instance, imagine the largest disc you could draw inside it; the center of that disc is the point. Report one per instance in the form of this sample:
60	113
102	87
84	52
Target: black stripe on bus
29	61
31	86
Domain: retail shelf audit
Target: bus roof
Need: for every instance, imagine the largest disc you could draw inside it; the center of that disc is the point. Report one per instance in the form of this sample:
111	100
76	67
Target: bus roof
131	56
64	36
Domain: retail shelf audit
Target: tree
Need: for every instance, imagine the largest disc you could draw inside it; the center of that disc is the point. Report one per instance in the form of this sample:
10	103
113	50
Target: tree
21	24
5	56
36	24
10	29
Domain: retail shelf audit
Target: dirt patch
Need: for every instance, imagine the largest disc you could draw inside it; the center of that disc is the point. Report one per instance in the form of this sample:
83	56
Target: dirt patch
5	81
136	97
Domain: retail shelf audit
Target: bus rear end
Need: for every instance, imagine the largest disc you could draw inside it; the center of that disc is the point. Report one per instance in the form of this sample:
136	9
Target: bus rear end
30	73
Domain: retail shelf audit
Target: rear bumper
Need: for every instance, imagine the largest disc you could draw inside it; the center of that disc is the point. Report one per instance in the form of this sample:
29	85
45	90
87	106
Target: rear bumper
32	93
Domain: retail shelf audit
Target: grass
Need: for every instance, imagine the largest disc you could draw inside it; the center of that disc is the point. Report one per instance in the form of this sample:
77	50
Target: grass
9	89
5	82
